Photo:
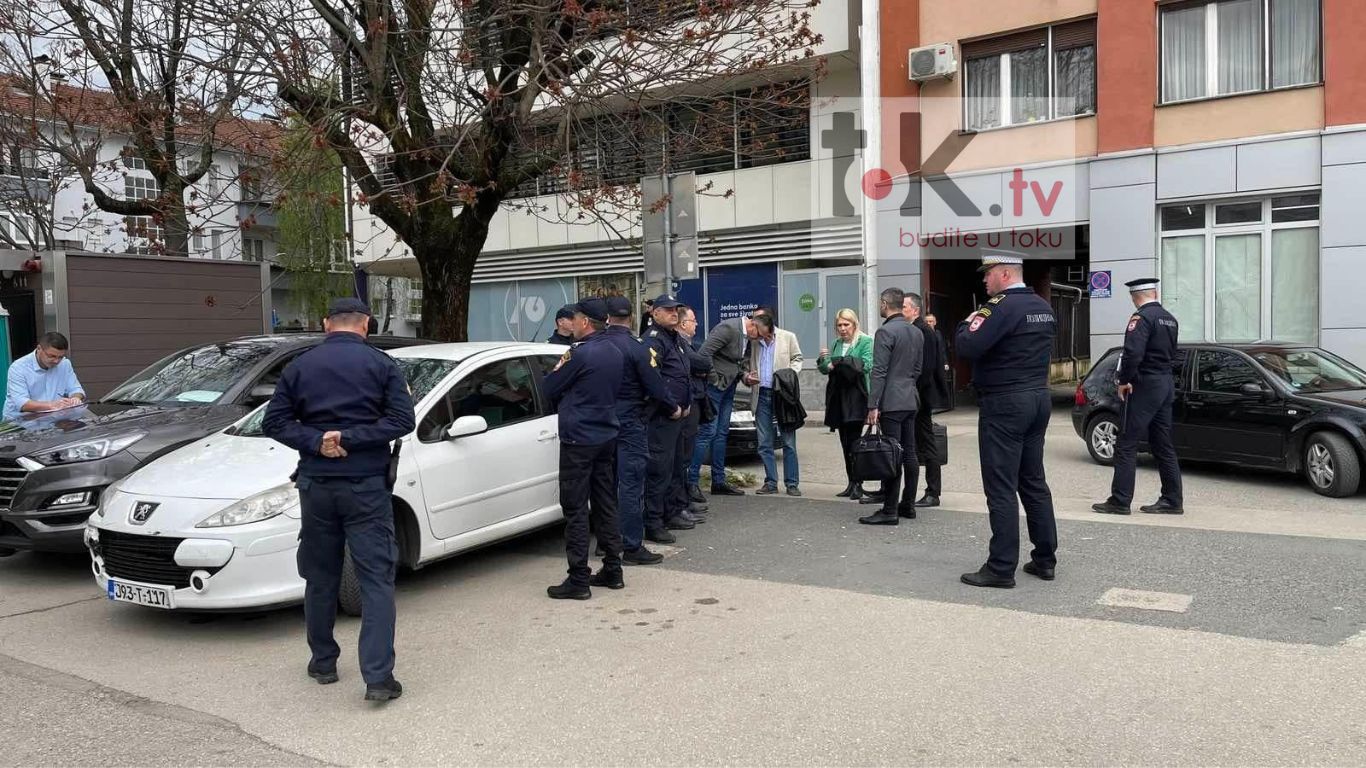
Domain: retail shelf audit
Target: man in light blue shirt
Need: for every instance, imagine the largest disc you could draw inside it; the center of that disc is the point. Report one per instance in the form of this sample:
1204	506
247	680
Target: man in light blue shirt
44	380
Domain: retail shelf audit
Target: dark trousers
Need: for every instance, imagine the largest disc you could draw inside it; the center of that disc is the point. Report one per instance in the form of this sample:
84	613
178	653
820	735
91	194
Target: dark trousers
849	432
1147	416
632	450
713	436
678	489
1010	434
901	425
665	438
357	513
928	449
588	489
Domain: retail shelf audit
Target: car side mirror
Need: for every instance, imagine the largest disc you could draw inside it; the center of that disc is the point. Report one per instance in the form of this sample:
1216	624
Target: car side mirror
466	426
1256	390
261	393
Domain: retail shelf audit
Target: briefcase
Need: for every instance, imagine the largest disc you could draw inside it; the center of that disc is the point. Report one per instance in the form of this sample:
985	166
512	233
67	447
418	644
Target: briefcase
941	447
875	456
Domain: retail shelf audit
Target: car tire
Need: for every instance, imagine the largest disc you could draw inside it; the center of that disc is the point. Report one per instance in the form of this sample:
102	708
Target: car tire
1330	465
1102	436
348	596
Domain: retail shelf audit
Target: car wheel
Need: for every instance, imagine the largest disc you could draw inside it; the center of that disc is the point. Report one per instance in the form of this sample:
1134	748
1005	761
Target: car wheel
348	596
1102	435
1330	465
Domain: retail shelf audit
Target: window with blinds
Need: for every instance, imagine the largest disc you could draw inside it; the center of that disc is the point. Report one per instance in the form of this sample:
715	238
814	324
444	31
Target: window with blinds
1047	73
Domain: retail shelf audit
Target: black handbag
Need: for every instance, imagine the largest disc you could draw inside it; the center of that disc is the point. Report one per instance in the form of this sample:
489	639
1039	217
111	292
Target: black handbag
875	456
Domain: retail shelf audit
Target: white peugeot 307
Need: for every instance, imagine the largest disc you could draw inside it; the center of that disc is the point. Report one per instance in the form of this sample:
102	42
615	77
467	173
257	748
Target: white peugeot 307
215	525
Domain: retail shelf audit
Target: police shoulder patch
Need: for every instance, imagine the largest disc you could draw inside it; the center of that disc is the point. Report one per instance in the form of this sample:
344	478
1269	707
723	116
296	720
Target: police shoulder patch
997	299
654	357
1133	322
976	323
984	313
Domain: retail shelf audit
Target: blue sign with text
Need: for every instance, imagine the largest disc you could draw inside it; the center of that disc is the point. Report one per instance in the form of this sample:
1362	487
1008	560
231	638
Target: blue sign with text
738	290
1100	285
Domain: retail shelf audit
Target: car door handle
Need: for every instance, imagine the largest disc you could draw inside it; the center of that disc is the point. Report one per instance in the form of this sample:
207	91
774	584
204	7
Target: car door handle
546	437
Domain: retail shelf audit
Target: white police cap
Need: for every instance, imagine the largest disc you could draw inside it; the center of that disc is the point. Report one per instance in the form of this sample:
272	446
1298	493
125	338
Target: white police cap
997	258
1142	284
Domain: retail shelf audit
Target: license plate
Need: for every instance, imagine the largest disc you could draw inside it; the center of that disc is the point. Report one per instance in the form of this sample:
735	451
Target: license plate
140	594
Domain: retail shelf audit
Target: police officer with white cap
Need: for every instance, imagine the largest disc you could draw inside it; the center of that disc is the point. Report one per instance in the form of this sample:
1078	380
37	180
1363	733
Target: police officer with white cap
1148	389
1010	343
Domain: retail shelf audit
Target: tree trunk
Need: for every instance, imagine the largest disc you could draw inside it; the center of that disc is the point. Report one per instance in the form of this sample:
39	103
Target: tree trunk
446	254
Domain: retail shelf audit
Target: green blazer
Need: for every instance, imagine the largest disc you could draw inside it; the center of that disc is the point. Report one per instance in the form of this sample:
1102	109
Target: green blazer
862	348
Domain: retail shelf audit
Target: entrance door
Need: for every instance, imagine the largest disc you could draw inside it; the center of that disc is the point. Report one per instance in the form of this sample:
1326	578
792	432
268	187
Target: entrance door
811	297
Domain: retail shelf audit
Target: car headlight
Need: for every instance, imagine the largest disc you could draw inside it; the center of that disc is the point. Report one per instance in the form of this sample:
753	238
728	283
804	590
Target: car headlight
742	417
262	506
108	495
89	450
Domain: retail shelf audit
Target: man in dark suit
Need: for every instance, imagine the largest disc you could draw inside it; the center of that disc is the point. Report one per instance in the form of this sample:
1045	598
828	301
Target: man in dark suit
933	390
725	345
898	353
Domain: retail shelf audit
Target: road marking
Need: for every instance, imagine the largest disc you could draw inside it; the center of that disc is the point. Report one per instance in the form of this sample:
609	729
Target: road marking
1146	601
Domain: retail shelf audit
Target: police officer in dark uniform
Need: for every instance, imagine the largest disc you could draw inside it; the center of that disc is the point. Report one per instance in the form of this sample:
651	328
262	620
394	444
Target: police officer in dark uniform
666	432
340	405
1010	343
583	386
642	391
564	326
1148	389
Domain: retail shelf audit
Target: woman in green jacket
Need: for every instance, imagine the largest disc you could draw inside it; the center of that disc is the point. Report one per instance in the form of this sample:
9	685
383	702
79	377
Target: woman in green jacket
850	368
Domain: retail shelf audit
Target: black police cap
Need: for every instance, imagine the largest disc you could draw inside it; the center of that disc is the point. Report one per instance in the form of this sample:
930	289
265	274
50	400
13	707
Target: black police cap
348	306
593	309
618	306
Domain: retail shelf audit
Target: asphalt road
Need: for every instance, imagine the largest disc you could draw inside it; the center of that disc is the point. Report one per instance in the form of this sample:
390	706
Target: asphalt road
780	632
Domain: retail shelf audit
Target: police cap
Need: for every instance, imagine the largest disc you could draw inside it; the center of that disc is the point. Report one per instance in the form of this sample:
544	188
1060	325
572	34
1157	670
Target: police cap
593	309
618	306
1001	259
667	302
348	306
566	312
1142	284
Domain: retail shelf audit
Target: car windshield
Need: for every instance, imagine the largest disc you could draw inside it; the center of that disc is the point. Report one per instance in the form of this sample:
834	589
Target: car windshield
1310	370
422	373
196	377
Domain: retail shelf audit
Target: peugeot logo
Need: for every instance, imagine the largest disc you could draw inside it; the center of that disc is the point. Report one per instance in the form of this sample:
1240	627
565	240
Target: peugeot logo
141	511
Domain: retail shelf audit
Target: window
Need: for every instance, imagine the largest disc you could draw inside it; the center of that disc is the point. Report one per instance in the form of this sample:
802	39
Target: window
253	249
19	228
415	298
131	160
502	392
1243	271
140	188
1224	372
1030	76
1239	46
145	235
1312	370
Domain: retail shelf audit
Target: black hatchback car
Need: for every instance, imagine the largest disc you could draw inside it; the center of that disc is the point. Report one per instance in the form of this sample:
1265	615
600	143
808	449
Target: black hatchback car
53	466
1286	408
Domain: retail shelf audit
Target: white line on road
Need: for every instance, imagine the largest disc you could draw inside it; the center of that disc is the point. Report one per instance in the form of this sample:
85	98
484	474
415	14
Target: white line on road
1147	601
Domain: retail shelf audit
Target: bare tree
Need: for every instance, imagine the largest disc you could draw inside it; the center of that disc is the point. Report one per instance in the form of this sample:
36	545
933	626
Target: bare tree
448	109
162	75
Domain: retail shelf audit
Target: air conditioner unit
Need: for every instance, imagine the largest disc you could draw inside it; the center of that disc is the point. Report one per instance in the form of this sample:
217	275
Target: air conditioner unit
933	62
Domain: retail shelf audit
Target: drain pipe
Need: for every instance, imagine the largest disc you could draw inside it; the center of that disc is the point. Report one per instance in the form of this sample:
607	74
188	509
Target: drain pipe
1072	343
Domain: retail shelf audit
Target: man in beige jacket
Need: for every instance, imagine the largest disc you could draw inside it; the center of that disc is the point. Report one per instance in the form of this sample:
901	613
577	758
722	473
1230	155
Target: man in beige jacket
772	349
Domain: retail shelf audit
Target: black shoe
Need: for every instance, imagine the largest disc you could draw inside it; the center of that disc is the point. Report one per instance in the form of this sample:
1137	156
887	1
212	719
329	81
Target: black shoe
323	676
847	492
1162	508
661	536
1034	569
1108	507
726	490
927	501
794	491
696	509
641	556
390	689
695	494
767	490
569	591
872	498
606	578
985	578
881	518
906	512
680	523
857	493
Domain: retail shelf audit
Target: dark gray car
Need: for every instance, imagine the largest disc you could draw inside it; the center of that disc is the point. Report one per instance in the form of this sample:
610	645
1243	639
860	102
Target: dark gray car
54	466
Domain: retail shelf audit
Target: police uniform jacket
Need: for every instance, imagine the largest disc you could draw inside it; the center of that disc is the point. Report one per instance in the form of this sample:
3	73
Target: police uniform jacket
640	373
341	385
1149	343
1009	341
583	386
671	354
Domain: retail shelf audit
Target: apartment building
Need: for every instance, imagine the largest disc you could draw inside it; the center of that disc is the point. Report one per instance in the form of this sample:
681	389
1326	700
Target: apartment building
1217	144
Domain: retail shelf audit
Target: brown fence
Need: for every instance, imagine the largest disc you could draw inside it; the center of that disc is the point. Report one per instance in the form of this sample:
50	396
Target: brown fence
125	312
